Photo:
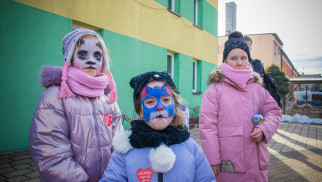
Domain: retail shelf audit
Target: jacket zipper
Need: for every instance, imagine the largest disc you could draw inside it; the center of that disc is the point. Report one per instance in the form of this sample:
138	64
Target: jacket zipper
98	139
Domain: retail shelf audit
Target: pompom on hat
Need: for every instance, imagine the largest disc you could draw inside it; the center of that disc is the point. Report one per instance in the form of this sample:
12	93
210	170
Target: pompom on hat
235	40
69	43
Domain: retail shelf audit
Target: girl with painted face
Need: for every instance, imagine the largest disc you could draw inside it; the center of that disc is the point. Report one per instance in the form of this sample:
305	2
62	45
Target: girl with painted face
157	147
77	116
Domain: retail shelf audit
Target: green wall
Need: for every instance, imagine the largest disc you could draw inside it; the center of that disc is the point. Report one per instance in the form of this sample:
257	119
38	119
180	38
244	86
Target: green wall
30	38
209	18
163	2
131	57
209	15
186	79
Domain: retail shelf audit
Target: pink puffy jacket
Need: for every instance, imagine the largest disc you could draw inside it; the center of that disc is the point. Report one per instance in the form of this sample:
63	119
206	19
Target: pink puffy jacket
225	124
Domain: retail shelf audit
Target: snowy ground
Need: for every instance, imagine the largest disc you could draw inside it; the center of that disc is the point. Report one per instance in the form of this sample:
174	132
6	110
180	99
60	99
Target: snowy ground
297	118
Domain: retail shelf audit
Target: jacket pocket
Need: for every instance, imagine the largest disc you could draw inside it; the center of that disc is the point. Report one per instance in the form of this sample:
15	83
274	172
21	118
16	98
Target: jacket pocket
231	148
263	156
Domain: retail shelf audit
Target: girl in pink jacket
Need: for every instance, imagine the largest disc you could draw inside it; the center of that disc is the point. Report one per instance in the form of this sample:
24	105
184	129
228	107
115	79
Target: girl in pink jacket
235	149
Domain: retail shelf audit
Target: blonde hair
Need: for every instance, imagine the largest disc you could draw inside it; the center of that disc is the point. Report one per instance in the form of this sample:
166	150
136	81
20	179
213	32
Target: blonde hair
178	119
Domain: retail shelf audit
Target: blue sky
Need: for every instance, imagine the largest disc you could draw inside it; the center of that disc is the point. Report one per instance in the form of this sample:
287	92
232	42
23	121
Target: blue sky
298	23
314	64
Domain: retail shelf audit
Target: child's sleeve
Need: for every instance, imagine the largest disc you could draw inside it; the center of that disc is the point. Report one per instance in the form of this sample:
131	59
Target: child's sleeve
116	169
49	144
272	117
208	119
203	169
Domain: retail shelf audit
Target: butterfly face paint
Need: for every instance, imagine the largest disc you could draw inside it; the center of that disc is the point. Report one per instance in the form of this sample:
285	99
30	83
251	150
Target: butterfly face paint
157	103
88	57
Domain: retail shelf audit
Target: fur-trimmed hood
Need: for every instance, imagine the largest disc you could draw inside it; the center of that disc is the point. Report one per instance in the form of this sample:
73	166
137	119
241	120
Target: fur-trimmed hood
216	76
50	75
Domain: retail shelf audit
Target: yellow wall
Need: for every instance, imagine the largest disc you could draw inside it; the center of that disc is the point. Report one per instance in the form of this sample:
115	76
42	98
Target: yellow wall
263	48
145	20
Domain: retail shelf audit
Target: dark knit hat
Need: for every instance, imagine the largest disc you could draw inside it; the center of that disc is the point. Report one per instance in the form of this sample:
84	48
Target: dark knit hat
138	82
235	40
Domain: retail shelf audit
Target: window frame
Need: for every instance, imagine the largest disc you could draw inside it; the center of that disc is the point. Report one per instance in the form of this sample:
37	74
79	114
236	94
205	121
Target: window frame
196	12
195	76
275	48
79	25
172	5
172	64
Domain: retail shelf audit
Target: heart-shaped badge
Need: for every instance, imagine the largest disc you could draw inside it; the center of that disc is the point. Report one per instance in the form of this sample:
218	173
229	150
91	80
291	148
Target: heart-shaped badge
144	175
108	119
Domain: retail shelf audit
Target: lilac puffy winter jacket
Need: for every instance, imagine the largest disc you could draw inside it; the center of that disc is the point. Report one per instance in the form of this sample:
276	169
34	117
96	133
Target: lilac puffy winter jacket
69	139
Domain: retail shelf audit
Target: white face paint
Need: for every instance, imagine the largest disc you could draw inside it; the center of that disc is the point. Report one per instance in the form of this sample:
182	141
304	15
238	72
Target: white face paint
88	57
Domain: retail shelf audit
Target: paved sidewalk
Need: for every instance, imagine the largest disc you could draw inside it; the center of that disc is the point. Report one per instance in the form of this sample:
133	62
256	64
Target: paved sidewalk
295	155
17	165
295	152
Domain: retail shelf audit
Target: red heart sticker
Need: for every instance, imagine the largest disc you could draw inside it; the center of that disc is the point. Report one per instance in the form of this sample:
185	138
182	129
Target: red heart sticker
108	119
144	175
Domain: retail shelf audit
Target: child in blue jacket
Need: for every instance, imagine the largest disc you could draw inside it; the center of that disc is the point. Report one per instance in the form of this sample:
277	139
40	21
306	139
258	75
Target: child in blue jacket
158	147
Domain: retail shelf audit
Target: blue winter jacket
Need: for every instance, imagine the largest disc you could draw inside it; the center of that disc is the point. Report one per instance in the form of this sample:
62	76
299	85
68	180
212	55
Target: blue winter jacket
137	164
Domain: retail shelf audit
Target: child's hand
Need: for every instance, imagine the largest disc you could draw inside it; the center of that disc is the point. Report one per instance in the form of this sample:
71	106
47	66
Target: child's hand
216	169
257	135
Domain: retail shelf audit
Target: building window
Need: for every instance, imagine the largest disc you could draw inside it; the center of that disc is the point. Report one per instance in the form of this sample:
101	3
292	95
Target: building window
198	13
194	76
170	64
171	5
174	6
78	25
74	27
275	49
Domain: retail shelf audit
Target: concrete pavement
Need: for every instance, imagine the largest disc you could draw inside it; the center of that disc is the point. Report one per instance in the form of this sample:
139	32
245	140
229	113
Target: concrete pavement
295	155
